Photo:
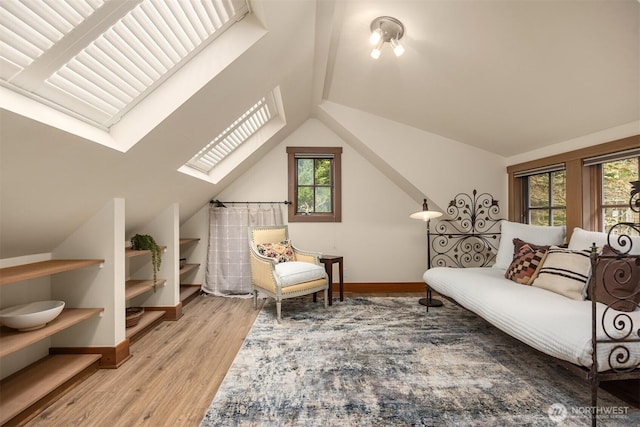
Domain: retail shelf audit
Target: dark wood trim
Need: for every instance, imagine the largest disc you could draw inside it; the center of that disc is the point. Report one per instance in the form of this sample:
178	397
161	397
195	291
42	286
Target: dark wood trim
573	195
336	215
385	287
579	191
582	153
112	357
171	313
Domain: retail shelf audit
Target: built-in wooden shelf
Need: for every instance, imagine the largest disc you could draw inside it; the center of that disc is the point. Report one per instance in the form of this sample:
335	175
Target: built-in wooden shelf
30	386
186	241
133	288
188	292
12	340
34	270
187	268
148	320
128	252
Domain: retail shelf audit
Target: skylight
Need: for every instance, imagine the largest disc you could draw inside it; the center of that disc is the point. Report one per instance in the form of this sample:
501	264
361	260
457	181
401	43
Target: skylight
97	59
243	128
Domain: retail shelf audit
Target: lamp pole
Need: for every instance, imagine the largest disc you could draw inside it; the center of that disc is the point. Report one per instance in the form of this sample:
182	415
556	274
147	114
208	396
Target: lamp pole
425	215
429	301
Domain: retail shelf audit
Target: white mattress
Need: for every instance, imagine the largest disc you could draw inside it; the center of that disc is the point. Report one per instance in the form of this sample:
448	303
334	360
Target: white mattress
551	323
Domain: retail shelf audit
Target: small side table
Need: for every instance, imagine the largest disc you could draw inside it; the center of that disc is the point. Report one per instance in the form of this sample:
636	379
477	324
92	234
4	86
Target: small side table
328	261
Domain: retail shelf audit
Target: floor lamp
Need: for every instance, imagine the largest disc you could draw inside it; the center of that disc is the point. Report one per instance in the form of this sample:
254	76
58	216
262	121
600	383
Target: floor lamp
426	215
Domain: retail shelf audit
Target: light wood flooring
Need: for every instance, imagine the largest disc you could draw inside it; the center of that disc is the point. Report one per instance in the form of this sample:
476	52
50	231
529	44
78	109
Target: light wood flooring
173	374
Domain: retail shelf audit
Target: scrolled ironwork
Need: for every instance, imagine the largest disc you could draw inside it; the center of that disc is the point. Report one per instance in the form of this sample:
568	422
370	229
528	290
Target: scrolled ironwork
620	358
615	281
621	322
469	235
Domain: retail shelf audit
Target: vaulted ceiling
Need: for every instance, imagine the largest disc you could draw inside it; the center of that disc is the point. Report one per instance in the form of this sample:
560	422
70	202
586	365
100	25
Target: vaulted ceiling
507	76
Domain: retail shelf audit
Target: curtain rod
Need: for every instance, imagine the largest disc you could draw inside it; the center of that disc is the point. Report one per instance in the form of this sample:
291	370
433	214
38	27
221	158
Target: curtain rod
220	204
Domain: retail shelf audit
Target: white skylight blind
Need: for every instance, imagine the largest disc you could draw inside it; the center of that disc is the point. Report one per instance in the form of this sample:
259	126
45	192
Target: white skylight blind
234	135
110	72
29	28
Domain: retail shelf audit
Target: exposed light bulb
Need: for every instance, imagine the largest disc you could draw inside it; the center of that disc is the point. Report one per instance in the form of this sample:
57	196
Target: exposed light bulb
398	49
375	53
375	37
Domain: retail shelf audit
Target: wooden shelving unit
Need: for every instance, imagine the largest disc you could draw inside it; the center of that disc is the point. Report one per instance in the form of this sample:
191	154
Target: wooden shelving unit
134	288
32	386
128	252
39	383
34	270
12	340
188	291
148	320
188	267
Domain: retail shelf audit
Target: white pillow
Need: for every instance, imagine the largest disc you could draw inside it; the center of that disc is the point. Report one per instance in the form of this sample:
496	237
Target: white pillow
296	272
583	239
536	234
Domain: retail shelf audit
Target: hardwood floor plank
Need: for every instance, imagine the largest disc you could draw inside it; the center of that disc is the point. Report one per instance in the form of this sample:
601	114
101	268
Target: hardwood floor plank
174	372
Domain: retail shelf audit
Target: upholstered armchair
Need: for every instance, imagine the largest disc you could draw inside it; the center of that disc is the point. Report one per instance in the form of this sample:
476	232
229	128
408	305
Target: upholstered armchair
281	270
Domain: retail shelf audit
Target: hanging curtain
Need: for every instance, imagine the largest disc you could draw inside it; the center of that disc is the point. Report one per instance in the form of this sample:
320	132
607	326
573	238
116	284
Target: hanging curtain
228	270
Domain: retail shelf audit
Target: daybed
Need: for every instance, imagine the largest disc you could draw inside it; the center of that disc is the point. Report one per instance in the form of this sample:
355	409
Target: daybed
547	309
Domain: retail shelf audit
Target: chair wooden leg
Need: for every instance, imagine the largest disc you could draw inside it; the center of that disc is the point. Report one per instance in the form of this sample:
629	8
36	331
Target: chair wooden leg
255	299
326	297
279	310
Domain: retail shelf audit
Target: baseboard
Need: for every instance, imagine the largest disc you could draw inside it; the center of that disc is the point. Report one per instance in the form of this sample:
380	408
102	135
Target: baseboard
171	312
380	287
111	357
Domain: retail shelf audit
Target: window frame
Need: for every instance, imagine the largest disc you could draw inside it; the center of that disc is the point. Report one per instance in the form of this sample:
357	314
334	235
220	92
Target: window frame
596	177
335	153
550	207
581	198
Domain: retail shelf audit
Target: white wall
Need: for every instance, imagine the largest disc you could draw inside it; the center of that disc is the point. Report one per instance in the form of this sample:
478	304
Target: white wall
423	163
379	241
606	135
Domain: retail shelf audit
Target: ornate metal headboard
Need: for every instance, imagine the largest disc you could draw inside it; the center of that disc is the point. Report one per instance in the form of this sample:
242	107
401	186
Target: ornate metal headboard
469	234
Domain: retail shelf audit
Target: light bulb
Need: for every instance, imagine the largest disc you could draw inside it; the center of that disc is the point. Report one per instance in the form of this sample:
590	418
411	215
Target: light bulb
398	49
375	53
375	37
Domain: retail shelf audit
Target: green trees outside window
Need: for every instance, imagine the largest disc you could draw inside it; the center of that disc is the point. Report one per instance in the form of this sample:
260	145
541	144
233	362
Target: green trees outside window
314	177
616	178
547	198
315	184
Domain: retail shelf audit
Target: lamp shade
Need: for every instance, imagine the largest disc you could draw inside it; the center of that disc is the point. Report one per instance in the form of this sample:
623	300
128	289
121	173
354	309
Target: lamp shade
425	214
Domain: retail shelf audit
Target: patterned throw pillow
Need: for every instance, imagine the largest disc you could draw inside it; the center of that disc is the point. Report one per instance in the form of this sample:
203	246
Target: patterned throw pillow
518	243
280	251
565	272
526	263
617	281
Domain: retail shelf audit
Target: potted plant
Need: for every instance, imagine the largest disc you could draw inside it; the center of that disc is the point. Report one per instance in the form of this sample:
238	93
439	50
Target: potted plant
141	242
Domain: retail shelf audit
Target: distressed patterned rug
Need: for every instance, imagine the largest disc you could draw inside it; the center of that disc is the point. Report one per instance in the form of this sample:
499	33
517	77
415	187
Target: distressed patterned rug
386	362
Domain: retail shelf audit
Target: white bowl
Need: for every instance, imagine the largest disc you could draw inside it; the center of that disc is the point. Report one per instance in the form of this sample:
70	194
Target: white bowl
31	316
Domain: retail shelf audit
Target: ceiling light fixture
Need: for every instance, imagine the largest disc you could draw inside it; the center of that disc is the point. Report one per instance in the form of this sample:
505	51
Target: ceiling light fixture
385	29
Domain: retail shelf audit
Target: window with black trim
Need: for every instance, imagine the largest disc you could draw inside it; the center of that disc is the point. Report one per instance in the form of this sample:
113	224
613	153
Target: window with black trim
613	180
545	198
314	184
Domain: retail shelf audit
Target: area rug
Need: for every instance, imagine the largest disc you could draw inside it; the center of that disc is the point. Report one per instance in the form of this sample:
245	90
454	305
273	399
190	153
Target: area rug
387	362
